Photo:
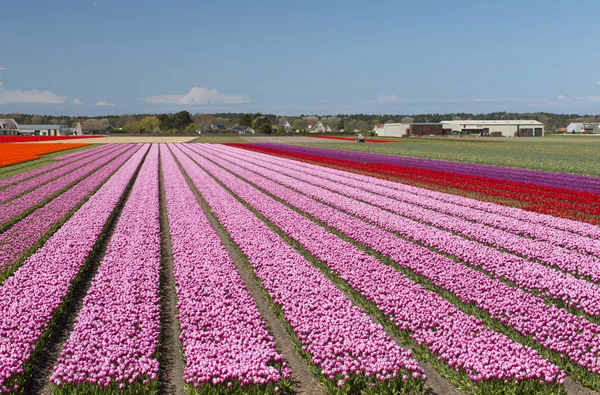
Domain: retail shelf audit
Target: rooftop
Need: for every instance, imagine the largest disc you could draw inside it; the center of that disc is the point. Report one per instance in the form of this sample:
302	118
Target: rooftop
499	122
41	127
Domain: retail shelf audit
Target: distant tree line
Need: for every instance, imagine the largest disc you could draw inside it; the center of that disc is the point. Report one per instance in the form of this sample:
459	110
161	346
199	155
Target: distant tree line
184	122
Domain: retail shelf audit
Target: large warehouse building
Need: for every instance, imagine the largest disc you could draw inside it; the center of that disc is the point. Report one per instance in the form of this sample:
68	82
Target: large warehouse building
496	128
394	130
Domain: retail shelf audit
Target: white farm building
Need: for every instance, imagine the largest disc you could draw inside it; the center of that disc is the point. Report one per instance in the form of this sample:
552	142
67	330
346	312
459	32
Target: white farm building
496	128
43	130
394	130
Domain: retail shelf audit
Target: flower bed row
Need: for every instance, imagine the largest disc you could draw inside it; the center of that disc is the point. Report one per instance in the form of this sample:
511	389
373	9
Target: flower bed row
558	231
113	344
225	341
353	139
519	314
29	232
349	350
74	155
11	154
35	295
574	293
14	209
575	182
15	190
490	360
526	197
35	172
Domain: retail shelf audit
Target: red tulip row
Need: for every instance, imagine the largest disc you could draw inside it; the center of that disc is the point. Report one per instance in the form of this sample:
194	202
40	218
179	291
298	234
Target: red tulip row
32	298
523	315
459	340
529	197
352	353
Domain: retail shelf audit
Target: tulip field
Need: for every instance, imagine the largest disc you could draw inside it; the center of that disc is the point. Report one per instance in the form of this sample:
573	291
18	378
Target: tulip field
267	269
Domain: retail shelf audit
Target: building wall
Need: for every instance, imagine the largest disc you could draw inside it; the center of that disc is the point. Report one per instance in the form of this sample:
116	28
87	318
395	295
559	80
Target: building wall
394	129
506	130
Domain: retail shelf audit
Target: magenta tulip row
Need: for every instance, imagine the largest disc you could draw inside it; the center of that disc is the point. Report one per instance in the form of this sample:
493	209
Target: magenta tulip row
40	170
225	341
460	340
21	205
548	326
531	276
342	340
18	189
38	289
499	229
116	334
23	235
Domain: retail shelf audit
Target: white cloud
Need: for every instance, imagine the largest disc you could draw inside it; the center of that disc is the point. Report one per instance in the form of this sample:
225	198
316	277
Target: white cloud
32	96
104	104
562	97
388	99
197	95
3	68
77	101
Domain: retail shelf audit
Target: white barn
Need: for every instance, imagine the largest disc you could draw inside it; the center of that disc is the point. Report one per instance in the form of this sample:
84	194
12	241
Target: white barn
579	127
516	128
394	130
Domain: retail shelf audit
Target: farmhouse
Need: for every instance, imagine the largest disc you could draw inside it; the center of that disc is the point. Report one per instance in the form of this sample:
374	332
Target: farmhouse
43	130
243	129
8	127
287	126
92	127
515	128
318	127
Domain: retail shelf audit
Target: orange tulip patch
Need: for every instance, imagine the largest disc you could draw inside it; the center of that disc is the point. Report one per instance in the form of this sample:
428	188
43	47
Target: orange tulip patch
11	154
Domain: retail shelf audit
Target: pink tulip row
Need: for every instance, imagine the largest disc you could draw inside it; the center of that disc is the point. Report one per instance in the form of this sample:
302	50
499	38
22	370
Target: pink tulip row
564	232
30	298
575	293
225	341
40	170
115	338
349	349
75	154
18	189
20	206
547	326
26	233
460	340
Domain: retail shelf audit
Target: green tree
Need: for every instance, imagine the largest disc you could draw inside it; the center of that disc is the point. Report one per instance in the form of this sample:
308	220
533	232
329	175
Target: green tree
407	120
298	124
191	128
262	125
280	129
245	120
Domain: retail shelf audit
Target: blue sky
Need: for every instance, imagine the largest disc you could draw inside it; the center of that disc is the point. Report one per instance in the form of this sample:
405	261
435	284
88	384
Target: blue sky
323	57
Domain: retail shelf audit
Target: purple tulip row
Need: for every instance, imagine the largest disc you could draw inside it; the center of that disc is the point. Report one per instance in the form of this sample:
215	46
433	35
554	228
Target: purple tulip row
115	338
460	340
551	179
21	205
547	326
349	349
30	298
36	182
469	209
40	170
26	233
574	292
225	341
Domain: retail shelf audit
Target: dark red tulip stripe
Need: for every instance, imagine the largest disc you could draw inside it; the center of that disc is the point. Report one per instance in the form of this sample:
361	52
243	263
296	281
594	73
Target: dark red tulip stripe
26	233
554	230
37	291
525	196
20	206
36	182
522	313
40	170
351	351
225	341
115	338
462	341
575	293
